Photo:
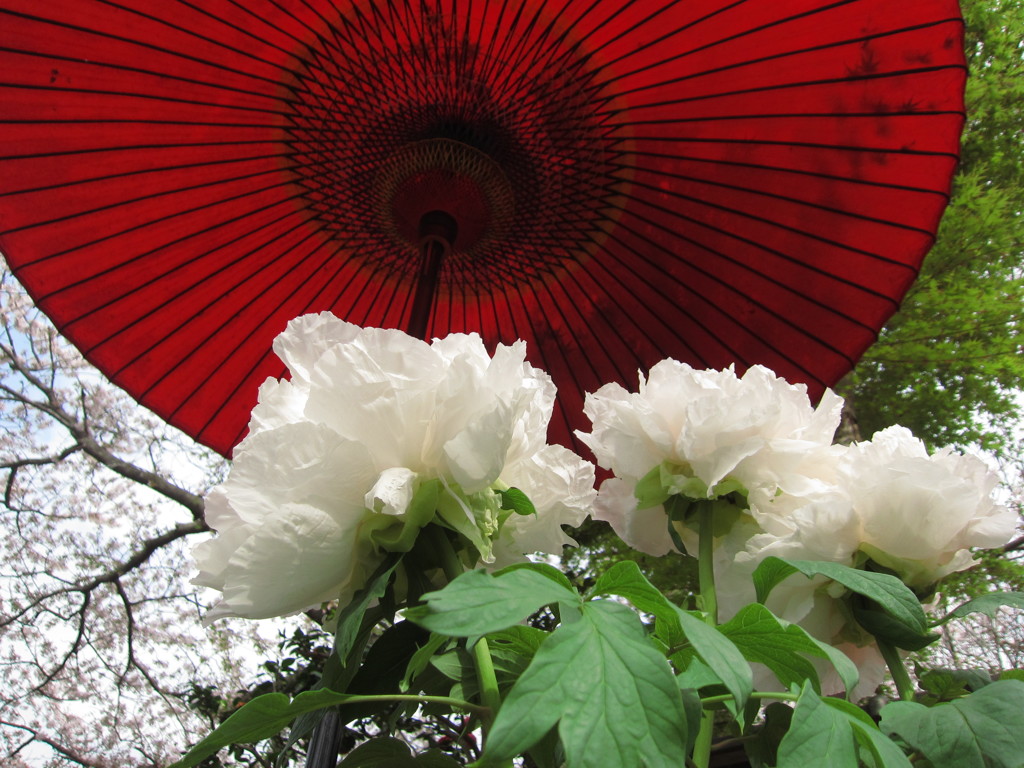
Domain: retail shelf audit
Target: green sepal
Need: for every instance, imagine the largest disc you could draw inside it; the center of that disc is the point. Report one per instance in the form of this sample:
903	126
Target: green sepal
475	516
397	533
517	501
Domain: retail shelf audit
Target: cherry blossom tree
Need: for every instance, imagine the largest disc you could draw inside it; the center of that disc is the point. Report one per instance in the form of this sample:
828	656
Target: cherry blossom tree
99	625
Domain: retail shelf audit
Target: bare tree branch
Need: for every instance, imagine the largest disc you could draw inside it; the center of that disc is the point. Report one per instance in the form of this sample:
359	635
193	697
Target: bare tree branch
84	440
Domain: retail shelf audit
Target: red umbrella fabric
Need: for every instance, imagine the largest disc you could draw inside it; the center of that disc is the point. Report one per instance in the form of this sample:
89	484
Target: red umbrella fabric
752	181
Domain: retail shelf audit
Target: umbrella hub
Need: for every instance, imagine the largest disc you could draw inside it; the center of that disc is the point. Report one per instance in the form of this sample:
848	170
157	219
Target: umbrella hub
442	174
522	141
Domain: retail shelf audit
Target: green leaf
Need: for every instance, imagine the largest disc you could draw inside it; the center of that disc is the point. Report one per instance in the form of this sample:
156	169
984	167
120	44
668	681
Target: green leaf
517	501
610	692
987	604
350	617
982	730
825	732
386	752
354	626
721	654
694	714
697	675
421	659
763	749
884	751
476	602
949	684
780	646
1012	674
543	569
901	620
455	665
624	579
818	736
383	667
261	718
518	639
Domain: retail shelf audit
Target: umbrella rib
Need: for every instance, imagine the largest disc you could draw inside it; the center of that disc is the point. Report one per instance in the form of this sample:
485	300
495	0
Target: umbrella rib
158	195
802	144
138	70
169	300
764	220
788	86
783	115
142	172
772	57
763	193
767	278
183	319
152	47
631	29
540	352
764	247
137	147
706	326
588	323
783	169
217	329
626	264
148	97
143	225
242	379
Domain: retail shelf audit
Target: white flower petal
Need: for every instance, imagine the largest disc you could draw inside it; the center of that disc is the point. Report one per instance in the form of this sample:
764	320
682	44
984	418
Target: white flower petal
393	491
298	558
643	529
367	417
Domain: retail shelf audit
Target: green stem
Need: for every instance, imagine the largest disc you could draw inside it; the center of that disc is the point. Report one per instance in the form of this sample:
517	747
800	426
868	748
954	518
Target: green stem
706	562
448	700
900	676
709	603
489	693
756	695
450	562
702	746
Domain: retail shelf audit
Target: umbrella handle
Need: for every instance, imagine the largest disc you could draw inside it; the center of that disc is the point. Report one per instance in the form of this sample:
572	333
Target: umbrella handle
438	231
324	744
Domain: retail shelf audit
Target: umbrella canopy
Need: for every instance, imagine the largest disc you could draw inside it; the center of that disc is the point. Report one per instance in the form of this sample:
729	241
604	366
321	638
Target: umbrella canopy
748	181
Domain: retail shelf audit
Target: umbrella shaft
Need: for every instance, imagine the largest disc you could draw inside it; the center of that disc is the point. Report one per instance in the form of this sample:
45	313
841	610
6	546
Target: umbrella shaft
437	233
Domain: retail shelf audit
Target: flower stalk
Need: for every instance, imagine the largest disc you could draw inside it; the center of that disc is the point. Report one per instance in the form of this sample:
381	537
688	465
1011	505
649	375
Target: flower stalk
904	685
706	561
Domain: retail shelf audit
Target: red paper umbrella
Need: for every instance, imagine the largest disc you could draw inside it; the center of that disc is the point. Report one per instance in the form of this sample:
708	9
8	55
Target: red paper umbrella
617	181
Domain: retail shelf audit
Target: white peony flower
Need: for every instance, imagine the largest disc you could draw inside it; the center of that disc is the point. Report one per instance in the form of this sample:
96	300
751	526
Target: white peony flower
920	514
704	434
376	435
821	526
